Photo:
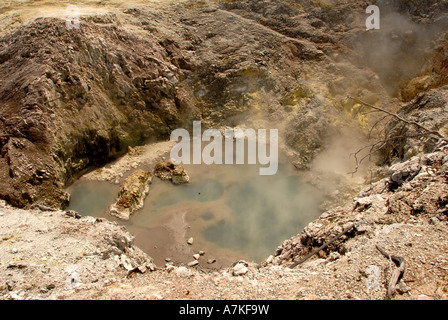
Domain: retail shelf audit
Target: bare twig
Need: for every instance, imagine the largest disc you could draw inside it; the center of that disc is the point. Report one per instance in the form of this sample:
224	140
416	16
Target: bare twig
397	274
323	246
376	147
375	124
396	116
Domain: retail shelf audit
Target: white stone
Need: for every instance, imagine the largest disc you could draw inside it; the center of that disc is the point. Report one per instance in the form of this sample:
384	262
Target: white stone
170	268
240	269
424	297
314	263
192	263
183	272
126	262
334	256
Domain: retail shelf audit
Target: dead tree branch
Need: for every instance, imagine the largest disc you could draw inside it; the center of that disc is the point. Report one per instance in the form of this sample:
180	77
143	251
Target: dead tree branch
377	146
323	246
374	147
397	274
399	118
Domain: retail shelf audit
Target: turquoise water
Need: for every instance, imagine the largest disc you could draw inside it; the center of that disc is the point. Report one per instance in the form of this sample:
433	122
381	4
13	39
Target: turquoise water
230	210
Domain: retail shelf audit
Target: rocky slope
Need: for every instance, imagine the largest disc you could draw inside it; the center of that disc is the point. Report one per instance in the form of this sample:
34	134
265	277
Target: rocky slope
72	100
59	255
414	190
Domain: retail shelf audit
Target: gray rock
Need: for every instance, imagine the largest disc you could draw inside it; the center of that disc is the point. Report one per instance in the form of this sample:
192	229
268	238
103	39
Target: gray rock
151	266
73	280
434	220
374	203
126	262
314	263
240	269
170	268
15	296
193	263
400	172
142	269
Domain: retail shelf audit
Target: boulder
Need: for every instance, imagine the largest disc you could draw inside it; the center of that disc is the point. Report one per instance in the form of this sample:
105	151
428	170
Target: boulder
404	171
132	194
240	269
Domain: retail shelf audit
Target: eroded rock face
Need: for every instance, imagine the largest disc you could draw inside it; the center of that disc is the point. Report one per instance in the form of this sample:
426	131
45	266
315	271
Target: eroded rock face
132	194
81	97
172	172
27	175
428	109
76	99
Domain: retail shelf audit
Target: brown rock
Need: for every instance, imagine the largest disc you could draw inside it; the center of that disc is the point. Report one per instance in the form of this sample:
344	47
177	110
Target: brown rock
131	195
170	171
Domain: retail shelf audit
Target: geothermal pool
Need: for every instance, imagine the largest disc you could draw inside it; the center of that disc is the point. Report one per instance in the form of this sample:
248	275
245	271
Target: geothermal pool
231	212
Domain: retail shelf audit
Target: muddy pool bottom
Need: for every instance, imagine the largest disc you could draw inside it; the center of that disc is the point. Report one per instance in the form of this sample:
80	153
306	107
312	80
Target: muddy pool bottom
231	212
